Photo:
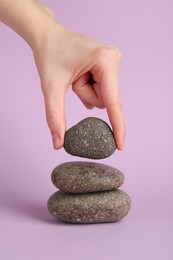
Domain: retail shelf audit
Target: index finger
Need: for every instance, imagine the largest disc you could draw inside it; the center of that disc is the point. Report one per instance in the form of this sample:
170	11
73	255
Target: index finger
109	87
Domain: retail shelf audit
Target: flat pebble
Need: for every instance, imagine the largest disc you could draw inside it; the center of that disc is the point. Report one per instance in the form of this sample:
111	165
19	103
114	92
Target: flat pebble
90	138
81	177
107	206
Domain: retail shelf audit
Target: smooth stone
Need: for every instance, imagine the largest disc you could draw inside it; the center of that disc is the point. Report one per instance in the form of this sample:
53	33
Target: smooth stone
90	138
81	177
106	206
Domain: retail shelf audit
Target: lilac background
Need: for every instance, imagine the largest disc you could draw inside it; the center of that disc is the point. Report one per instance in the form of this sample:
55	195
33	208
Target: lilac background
143	31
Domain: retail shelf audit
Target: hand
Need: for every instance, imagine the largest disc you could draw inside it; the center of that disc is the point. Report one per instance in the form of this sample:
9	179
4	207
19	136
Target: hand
66	58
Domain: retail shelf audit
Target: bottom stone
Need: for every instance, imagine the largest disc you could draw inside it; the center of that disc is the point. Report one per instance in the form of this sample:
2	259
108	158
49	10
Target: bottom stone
107	206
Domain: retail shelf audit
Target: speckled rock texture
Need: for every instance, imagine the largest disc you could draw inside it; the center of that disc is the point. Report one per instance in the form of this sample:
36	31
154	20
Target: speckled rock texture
106	206
90	138
81	177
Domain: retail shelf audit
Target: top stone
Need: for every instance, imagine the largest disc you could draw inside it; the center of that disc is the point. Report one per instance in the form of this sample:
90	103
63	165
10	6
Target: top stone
90	138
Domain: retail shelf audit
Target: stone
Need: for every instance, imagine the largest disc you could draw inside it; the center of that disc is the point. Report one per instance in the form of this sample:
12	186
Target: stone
106	206
90	138
81	177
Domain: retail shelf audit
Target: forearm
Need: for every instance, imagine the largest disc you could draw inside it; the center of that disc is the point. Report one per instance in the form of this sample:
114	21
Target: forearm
27	18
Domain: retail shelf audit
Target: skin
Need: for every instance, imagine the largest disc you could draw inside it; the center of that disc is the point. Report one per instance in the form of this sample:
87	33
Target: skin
64	58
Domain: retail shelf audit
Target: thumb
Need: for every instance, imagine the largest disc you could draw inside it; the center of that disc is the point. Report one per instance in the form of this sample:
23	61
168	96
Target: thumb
55	114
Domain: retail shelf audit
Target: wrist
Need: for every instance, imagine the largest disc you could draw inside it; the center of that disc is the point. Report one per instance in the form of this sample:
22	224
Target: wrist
31	20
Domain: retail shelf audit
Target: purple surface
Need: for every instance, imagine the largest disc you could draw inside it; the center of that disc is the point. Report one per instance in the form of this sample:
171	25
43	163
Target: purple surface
143	31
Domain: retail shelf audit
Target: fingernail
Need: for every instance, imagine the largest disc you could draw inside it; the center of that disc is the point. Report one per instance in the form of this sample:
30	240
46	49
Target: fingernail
56	141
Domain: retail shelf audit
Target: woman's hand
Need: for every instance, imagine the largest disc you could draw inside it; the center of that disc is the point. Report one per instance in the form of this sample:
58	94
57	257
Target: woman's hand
65	58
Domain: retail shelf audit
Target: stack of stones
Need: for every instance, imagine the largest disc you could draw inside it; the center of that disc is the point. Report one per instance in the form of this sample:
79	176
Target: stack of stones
88	191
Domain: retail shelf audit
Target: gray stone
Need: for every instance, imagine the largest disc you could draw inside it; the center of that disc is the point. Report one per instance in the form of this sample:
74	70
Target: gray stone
81	177
90	138
106	206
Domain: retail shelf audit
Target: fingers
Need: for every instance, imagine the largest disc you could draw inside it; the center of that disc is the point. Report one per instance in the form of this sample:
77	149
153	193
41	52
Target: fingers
114	108
87	93
55	114
109	88
87	105
117	120
104	92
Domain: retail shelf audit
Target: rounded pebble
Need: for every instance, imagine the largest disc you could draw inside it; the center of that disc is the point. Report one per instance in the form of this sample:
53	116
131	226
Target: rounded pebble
81	177
90	138
107	206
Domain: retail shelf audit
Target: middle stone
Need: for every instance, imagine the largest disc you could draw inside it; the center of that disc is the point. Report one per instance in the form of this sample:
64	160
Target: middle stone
81	177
